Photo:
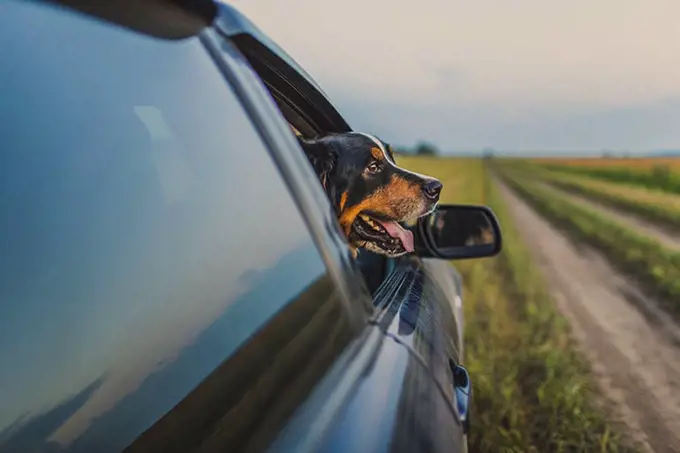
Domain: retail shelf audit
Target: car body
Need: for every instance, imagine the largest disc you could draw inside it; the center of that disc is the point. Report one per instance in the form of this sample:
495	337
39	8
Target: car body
172	277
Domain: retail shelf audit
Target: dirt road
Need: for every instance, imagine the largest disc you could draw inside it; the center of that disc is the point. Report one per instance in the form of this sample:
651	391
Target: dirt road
634	347
669	239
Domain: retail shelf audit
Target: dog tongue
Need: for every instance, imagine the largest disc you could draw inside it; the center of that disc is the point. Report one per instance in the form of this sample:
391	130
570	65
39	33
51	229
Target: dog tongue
396	231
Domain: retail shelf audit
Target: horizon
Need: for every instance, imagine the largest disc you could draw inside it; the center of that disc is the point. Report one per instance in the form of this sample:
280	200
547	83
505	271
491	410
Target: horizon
558	76
590	153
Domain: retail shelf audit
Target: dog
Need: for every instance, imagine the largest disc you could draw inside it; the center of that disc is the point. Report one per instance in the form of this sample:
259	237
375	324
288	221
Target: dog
369	192
462	230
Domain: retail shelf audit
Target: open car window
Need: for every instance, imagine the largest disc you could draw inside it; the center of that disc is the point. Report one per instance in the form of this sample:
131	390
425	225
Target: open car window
373	266
310	114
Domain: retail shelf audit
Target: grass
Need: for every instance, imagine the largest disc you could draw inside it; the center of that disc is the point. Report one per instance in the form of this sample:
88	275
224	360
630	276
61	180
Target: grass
530	383
654	205
655	267
660	174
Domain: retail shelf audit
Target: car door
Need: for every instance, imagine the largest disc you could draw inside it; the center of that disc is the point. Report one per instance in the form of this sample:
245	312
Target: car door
169	280
162	287
417	302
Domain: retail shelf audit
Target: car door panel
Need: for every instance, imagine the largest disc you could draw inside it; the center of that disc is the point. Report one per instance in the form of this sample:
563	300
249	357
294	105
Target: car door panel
449	282
244	403
391	406
415	311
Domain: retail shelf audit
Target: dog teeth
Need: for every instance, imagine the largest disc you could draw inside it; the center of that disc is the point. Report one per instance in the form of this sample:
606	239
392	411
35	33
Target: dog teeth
372	223
368	220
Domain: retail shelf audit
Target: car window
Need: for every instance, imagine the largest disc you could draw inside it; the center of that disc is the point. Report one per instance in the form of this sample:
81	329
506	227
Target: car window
150	253
373	267
309	114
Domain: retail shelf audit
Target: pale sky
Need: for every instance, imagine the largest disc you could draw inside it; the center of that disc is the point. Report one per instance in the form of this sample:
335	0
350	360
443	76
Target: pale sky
512	74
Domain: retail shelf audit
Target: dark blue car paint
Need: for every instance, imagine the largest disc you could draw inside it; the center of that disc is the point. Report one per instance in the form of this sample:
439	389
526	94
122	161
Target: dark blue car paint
298	356
414	309
391	406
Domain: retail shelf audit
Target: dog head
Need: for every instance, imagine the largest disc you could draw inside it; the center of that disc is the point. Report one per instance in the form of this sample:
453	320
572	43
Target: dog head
369	192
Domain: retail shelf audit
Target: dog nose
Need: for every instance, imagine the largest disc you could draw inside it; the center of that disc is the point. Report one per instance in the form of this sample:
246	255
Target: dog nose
432	189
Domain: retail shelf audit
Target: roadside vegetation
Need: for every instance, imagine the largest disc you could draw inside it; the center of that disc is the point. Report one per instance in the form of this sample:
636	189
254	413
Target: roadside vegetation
654	266
660	174
656	206
531	386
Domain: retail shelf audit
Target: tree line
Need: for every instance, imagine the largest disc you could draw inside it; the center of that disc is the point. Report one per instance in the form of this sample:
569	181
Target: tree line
422	148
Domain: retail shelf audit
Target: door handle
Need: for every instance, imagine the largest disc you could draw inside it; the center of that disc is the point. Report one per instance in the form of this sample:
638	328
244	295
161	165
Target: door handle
463	390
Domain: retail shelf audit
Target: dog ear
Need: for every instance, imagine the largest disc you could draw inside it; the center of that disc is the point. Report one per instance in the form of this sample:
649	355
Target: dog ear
322	158
390	151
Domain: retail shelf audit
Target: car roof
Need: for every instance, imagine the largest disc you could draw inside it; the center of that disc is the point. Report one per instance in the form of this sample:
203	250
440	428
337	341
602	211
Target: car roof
169	19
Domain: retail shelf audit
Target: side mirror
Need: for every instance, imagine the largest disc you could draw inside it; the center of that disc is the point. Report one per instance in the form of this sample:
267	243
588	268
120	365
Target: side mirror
458	232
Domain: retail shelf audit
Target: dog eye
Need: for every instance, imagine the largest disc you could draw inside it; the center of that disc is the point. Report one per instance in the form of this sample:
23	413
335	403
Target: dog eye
373	168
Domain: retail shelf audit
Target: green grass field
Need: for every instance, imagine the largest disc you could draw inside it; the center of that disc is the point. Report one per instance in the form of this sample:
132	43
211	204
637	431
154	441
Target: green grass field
656	267
654	205
531	385
660	173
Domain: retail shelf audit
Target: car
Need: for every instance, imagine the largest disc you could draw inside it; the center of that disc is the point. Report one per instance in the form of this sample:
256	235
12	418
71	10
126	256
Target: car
172	275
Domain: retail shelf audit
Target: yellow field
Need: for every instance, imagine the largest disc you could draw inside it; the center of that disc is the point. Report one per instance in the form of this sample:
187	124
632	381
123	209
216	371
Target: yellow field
632	162
453	172
654	173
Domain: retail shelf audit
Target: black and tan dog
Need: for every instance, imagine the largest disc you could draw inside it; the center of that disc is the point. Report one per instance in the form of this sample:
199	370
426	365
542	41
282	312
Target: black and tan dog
370	193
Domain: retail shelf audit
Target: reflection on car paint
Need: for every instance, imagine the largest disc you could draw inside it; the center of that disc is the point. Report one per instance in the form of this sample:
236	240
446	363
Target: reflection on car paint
138	243
243	403
395	408
411	310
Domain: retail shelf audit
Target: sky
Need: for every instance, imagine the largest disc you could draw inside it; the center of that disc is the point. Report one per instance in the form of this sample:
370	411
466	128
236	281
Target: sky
522	74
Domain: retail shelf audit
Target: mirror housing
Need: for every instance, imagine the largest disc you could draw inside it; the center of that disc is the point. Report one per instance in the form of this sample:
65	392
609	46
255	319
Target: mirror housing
457	231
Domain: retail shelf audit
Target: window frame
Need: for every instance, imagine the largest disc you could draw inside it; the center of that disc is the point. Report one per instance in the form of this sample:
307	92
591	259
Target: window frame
306	120
305	107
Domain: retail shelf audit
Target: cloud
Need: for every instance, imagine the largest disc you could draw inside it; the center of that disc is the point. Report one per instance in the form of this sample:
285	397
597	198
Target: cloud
465	127
502	62
611	52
